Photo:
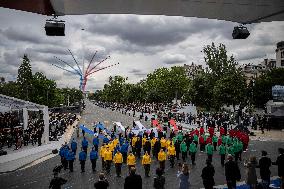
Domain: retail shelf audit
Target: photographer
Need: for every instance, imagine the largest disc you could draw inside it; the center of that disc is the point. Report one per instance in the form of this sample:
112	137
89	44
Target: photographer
102	183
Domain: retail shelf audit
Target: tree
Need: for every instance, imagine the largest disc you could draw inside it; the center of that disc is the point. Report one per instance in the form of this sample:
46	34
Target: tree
225	81
25	78
44	90
164	84
218	62
262	88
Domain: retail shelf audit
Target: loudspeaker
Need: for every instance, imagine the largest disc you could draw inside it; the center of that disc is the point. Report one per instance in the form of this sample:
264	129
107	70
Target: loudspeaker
55	151
54	28
240	32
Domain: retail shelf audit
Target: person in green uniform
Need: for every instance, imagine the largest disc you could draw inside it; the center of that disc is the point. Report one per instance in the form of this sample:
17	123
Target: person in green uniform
195	139
180	137
209	150
224	139
231	150
229	140
193	150
222	152
183	149
215	140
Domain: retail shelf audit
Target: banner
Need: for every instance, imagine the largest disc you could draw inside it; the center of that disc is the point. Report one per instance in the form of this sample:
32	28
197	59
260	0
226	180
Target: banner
156	123
90	131
173	123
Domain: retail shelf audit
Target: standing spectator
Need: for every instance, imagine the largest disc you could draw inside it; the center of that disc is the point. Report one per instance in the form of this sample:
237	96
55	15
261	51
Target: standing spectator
159	180
93	158
102	183
208	175
251	172
280	163
82	159
133	180
263	165
232	172
183	175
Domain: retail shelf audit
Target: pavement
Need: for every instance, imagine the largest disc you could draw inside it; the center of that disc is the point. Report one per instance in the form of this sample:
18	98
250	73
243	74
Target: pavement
17	159
39	175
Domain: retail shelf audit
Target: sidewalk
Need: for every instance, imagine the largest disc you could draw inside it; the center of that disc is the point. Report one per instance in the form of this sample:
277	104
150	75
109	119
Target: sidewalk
20	158
272	135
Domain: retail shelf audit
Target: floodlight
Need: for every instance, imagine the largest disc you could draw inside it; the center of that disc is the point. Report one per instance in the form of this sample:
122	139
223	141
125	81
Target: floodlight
240	32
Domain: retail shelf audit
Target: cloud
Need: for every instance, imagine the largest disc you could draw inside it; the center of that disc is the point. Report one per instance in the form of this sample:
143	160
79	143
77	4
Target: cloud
137	72
174	58
151	30
140	43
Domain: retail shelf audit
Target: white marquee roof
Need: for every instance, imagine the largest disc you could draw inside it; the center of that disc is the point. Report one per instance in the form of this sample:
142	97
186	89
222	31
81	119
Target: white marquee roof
7	102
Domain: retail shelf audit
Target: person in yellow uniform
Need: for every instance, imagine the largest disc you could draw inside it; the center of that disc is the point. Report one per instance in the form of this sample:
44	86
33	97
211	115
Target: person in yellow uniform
172	154
143	141
115	142
146	162
111	146
131	161
102	153
108	159
118	159
133	142
162	159
163	142
168	144
153	141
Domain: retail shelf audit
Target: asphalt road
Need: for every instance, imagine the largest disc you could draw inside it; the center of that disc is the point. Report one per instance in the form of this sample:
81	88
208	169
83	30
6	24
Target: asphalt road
39	176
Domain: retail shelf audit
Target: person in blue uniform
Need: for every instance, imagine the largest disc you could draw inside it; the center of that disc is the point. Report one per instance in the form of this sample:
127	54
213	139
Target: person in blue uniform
82	159
70	159
74	146
85	144
93	158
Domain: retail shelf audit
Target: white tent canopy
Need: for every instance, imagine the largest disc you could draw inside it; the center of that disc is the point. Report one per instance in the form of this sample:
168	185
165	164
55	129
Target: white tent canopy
8	103
120	126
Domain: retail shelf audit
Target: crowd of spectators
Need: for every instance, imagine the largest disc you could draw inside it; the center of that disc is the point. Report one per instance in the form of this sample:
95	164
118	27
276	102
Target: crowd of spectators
12	132
58	123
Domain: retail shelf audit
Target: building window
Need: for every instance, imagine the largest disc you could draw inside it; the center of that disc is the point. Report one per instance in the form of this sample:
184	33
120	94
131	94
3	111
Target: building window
282	54
282	62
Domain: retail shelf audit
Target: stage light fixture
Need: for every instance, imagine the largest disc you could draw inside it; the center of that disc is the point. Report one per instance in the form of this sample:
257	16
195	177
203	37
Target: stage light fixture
240	32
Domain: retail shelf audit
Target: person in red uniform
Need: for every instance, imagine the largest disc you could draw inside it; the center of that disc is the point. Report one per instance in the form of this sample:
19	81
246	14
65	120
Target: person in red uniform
219	140
196	132
211	131
209	140
222	131
202	143
201	131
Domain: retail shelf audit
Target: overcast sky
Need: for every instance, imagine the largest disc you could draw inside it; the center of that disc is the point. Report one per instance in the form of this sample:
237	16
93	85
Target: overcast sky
140	44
